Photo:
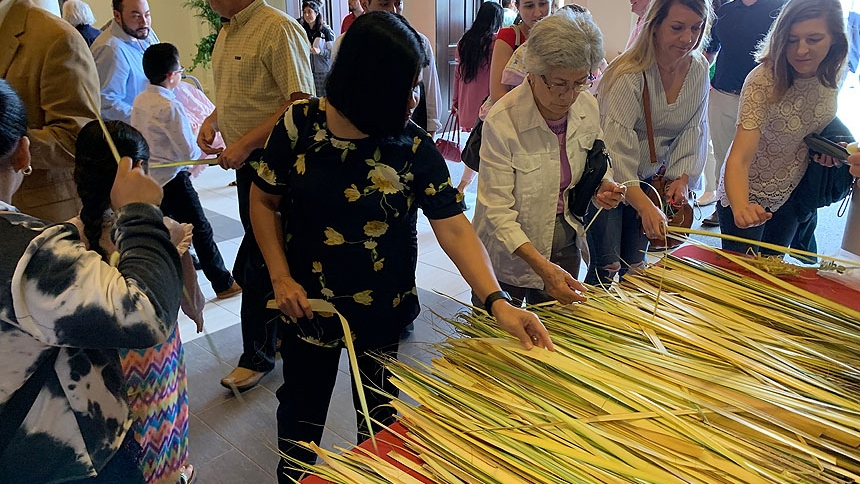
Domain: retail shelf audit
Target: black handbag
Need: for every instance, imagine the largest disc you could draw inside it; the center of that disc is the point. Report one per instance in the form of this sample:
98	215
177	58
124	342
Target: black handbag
597	161
471	154
821	185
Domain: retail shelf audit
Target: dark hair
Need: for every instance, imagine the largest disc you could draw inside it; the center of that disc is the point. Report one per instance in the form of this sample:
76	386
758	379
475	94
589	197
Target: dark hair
117	5
506	3
474	46
13	119
95	170
375	70
159	60
316	7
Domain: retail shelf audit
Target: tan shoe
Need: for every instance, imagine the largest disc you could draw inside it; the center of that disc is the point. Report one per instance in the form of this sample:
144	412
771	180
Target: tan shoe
242	379
229	292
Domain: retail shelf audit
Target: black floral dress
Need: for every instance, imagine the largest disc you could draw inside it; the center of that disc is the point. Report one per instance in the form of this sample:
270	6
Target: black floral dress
349	210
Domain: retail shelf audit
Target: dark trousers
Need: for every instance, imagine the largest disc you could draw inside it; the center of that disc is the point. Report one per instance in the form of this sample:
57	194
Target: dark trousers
310	373
259	325
181	203
124	467
790	225
615	239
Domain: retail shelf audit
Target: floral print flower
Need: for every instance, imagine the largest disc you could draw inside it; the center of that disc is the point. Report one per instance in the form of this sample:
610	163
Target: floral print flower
333	237
327	293
377	266
363	297
352	194
316	267
375	228
415	142
430	190
320	135
300	164
342	144
385	179
370	245
264	172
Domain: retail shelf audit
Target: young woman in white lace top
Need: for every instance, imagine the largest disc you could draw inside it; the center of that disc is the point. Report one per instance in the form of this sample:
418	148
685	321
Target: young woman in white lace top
791	94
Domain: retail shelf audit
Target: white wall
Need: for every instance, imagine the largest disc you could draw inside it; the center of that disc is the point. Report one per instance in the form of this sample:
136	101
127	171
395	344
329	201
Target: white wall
422	15
615	21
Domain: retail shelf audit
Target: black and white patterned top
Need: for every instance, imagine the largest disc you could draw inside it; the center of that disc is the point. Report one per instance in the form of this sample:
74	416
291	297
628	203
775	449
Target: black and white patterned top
56	294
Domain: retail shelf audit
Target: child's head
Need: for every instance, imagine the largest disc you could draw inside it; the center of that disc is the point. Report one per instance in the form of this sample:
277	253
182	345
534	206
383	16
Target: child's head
95	170
161	65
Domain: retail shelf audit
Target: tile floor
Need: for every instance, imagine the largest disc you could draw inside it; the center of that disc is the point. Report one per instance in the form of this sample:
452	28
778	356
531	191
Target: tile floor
232	440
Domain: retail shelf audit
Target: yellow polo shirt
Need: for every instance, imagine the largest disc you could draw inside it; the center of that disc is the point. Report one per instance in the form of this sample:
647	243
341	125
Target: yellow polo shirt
261	56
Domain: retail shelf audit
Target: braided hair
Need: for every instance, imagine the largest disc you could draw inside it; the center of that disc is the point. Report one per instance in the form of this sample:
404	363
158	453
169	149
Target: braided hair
95	171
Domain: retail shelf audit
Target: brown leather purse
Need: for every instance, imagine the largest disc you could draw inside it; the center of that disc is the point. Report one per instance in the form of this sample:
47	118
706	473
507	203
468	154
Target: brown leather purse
678	215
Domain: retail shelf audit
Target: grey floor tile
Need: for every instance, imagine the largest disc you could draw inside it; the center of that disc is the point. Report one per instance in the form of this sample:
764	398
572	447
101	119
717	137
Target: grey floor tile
226	343
204	444
234	468
223	227
204	375
249	425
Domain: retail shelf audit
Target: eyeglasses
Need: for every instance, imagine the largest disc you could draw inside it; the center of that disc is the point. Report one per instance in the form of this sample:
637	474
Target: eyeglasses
563	88
179	71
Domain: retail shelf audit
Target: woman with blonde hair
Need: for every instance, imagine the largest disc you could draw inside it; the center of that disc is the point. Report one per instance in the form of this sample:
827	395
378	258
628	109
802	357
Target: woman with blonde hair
664	77
791	94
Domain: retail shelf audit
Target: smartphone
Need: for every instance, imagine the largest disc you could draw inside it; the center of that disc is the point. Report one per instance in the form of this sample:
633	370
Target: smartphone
821	145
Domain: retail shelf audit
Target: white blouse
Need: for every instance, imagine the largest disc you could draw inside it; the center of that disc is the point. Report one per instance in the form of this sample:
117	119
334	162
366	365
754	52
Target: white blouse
680	128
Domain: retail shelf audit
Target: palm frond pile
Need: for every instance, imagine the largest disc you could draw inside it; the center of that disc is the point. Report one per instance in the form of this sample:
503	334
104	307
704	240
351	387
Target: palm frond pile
685	373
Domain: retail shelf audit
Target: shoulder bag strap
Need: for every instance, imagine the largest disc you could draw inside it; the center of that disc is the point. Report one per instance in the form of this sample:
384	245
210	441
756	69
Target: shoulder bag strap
519	40
649	127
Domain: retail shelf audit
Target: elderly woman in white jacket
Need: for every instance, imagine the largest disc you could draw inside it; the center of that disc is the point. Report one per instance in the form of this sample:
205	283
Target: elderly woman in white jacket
533	154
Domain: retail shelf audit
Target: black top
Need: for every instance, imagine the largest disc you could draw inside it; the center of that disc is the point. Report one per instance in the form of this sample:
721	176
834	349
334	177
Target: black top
736	33
350	211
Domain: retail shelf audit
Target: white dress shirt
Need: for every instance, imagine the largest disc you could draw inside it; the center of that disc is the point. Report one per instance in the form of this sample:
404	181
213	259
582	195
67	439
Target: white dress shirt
165	126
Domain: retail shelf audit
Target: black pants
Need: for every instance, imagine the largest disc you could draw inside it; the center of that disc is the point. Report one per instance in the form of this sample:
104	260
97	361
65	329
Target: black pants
181	203
124	467
310	373
259	325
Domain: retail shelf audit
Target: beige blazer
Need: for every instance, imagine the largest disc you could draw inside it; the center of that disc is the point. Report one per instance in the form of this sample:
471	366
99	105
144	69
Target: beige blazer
47	62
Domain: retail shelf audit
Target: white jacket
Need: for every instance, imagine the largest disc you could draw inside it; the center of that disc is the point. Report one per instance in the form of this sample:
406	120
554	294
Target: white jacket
519	179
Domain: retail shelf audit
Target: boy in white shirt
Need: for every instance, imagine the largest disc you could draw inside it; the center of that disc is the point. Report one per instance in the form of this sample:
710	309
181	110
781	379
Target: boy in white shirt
163	122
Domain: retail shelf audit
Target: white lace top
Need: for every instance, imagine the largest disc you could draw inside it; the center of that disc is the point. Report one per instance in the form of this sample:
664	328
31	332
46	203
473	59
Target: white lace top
782	156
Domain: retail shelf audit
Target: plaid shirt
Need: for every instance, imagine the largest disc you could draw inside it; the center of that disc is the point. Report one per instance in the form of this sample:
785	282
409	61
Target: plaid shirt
260	58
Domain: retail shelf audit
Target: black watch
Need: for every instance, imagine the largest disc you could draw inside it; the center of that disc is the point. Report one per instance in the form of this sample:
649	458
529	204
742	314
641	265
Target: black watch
493	297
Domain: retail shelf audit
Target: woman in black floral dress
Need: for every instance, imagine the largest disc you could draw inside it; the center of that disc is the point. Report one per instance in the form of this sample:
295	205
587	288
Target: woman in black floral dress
334	208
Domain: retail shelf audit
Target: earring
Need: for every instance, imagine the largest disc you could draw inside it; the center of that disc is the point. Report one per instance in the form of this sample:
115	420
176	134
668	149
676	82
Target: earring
27	171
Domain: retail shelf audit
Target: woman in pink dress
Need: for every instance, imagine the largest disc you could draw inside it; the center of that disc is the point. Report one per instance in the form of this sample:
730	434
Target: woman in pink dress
472	76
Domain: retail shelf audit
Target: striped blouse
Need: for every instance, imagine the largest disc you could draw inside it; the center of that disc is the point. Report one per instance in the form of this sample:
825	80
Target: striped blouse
680	128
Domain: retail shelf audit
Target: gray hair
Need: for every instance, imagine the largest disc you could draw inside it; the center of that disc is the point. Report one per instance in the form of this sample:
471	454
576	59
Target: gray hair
77	13
565	40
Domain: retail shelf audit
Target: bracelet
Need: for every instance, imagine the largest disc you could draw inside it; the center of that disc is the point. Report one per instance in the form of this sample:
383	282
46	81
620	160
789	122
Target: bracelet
493	297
